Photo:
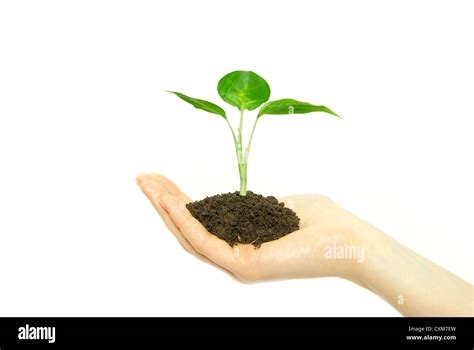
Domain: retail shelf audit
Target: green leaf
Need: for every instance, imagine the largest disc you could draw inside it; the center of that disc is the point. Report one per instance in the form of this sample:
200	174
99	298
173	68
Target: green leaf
244	90
290	106
201	104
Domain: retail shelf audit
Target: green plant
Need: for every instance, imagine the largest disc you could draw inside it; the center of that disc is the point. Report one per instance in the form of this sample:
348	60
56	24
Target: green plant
247	91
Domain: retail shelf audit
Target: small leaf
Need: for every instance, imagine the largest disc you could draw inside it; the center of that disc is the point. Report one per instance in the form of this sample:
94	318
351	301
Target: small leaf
244	90
201	104
290	106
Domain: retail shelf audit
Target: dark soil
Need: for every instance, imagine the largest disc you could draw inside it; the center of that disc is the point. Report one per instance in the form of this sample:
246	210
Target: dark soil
252	218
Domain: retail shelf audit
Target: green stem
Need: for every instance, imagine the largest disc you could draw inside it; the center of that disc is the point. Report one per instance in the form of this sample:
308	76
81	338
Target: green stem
247	149
241	158
240	127
234	138
244	163
243	179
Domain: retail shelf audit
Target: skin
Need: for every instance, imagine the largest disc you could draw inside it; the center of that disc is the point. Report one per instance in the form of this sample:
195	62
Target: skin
410	283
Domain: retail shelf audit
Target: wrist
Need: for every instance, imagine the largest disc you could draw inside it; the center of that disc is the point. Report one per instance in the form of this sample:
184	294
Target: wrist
380	270
365	246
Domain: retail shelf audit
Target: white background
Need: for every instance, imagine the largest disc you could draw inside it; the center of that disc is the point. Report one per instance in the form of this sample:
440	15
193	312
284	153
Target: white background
83	111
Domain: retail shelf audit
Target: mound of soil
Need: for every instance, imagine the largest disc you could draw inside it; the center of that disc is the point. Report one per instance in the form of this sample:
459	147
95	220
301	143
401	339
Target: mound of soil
252	218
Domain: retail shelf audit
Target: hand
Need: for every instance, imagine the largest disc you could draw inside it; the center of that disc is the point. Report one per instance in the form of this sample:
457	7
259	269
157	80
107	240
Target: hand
410	283
300	254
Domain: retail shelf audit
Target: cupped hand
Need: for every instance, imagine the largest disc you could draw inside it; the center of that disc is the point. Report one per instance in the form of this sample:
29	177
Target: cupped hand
304	253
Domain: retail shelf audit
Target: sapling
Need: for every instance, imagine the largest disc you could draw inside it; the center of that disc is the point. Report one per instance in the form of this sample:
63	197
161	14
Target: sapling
247	91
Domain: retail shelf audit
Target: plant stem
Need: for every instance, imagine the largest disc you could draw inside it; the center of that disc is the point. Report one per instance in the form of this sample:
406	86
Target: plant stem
240	127
243	179
247	149
241	158
244	163
234	138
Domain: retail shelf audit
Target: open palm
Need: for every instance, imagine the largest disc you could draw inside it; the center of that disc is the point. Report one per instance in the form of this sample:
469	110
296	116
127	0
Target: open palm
297	255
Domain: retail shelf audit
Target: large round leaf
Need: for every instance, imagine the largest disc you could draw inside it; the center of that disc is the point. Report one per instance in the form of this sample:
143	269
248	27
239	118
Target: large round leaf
244	90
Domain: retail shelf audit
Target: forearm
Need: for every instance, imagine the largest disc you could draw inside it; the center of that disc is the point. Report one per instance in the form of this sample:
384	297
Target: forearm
412	284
